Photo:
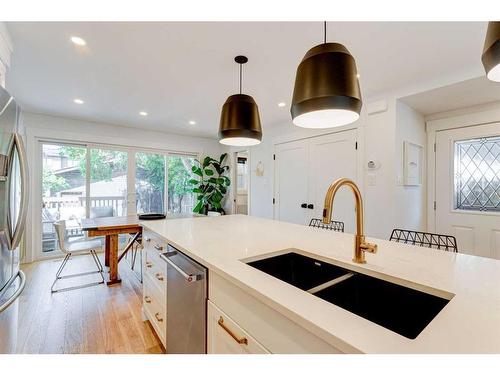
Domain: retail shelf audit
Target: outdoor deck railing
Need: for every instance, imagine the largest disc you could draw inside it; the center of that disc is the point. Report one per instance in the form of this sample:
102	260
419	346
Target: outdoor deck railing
53	207
118	203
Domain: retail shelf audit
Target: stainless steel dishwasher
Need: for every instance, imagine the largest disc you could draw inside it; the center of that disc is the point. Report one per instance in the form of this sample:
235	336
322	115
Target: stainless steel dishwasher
186	303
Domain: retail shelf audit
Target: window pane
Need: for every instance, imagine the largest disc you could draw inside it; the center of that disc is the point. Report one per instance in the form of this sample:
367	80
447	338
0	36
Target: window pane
477	174
180	197
108	183
150	182
63	191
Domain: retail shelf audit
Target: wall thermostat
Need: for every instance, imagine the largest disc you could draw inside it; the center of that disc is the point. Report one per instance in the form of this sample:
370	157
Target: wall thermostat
372	165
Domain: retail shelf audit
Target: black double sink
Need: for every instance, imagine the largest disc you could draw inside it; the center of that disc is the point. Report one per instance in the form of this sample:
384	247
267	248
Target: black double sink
400	309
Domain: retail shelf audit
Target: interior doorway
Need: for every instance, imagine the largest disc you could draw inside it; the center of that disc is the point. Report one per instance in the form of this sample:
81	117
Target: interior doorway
241	186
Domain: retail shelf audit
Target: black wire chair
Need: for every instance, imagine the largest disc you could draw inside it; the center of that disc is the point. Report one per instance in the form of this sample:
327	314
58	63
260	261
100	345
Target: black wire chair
424	239
337	226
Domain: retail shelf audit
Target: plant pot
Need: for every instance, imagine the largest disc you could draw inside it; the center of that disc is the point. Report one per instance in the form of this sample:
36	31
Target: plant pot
213	213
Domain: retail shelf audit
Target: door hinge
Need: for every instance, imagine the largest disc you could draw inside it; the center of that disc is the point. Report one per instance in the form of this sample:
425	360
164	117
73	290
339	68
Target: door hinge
434	205
274	201
356	145
434	146
274	156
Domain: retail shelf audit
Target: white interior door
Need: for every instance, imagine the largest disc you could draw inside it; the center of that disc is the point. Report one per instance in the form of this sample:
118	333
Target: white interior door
333	156
291	171
468	188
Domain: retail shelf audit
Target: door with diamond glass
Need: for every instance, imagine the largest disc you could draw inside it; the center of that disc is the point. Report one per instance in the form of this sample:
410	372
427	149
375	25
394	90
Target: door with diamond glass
468	188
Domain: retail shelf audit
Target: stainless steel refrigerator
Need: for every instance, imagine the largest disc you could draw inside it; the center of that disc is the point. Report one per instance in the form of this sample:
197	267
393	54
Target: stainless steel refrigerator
13	207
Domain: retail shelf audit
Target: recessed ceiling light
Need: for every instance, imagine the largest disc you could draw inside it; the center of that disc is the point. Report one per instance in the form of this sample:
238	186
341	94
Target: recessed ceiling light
142	113
78	101
281	104
78	41
192	122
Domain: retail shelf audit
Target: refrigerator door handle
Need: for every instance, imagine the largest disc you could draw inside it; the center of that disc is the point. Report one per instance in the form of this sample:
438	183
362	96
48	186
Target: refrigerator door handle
23	207
17	293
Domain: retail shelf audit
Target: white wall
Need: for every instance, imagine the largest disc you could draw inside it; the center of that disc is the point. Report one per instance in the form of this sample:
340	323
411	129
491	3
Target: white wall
379	137
40	125
387	205
410	206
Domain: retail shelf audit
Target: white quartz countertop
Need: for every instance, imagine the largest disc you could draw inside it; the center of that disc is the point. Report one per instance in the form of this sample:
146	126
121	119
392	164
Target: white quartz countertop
469	323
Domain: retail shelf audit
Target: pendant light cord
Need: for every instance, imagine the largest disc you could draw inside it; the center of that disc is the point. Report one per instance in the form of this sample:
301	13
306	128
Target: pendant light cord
324	23
241	66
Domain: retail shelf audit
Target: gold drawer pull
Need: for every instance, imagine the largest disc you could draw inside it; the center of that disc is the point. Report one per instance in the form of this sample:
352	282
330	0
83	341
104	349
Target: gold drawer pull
159	276
243	340
158	317
149	264
147	299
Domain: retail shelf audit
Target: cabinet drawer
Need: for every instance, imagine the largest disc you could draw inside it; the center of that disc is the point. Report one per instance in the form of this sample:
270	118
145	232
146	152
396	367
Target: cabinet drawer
150	288
154	308
156	269
225	336
153	242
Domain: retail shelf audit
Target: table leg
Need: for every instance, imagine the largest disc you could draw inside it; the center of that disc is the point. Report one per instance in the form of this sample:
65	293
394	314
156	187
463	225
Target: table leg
113	260
106	250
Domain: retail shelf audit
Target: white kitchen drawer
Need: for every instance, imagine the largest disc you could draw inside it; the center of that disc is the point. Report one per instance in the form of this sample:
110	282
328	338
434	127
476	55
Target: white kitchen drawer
154	242
225	336
274	331
150	287
154	307
156	269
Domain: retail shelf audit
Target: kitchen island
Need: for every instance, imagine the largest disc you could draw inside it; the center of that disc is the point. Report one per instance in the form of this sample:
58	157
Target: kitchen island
274	316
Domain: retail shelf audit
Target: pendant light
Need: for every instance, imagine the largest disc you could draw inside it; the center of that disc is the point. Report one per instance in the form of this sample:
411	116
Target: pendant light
491	51
326	92
239	119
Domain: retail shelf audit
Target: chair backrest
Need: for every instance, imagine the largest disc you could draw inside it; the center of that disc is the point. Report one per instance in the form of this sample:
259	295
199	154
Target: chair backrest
424	239
103	211
337	226
61	233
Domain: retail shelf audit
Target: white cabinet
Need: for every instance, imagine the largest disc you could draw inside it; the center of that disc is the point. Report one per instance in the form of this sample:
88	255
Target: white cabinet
244	317
303	171
154	299
225	336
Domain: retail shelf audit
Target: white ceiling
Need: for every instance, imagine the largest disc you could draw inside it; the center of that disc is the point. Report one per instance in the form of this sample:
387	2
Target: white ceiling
459	95
181	71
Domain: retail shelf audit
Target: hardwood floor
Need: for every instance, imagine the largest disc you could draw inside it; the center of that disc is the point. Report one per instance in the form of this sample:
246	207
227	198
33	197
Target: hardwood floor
97	319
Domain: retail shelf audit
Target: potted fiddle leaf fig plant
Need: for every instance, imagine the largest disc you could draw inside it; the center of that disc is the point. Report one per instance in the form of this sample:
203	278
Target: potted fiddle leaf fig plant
211	185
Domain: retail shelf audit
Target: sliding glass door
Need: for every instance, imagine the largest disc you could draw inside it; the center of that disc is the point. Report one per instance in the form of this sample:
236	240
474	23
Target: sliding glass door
180	197
95	181
64	191
150	182
108	182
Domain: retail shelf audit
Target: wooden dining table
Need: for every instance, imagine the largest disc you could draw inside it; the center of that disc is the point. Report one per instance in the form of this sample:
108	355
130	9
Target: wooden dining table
110	228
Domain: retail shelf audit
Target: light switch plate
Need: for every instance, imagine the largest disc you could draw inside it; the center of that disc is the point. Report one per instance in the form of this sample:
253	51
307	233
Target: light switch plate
371	179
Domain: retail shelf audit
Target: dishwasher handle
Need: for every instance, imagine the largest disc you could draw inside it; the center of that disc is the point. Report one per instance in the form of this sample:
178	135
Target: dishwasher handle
188	277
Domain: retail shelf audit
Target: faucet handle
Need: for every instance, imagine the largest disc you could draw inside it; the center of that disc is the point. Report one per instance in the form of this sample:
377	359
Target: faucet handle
369	247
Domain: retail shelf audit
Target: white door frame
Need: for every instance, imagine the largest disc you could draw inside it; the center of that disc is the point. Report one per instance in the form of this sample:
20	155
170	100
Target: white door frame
234	175
484	117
